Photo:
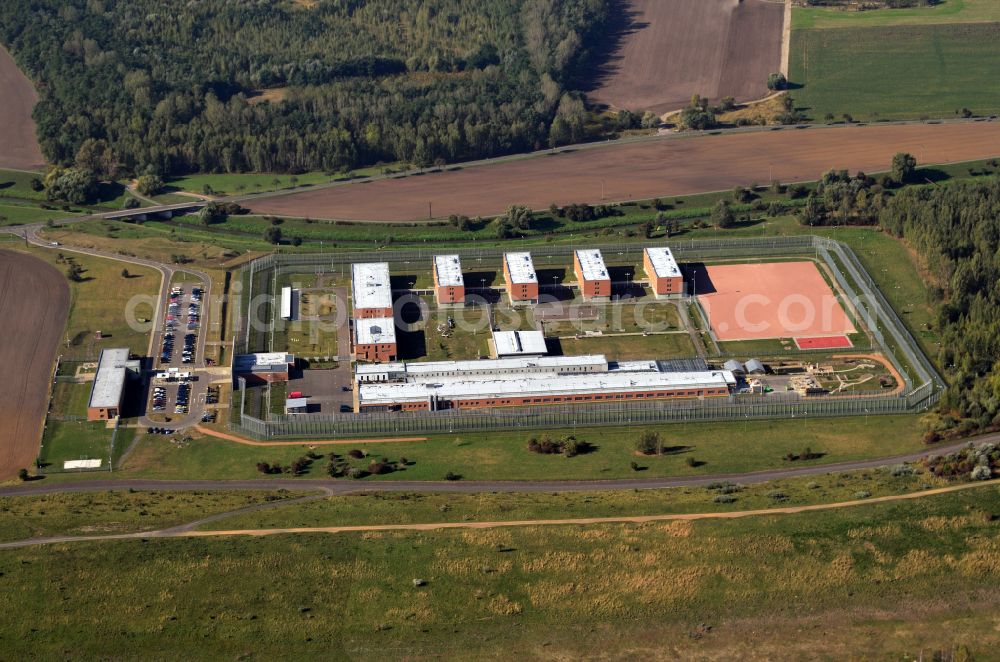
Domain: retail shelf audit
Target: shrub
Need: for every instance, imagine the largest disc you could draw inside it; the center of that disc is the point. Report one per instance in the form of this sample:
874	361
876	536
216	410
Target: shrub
634	465
863	494
724	498
452	476
23	474
380	468
355	453
777	495
649	443
901	470
981	472
730	488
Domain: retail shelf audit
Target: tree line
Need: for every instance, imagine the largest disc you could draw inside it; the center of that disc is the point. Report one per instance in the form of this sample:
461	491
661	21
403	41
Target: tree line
173	88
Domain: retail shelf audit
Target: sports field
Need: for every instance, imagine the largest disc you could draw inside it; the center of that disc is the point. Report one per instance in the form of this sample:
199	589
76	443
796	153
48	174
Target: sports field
641	171
34	302
897	72
674	49
775	300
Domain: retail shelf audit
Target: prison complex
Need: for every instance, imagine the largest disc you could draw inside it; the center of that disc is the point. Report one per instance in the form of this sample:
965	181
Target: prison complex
515	382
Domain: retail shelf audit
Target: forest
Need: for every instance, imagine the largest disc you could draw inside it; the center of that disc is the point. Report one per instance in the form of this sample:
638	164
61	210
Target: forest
172	86
956	231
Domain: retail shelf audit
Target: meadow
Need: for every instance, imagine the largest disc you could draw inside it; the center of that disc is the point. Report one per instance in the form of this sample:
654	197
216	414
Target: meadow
893	580
909	72
948	11
712	448
122	511
91	308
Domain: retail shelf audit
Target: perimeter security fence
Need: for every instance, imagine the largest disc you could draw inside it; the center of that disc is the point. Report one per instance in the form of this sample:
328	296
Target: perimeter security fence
921	387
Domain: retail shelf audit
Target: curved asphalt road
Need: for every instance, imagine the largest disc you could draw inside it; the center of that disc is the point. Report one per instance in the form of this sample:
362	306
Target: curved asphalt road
346	486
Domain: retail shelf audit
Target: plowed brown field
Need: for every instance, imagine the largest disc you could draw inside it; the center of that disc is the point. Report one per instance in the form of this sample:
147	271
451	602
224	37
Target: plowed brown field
677	48
636	171
34	303
18	145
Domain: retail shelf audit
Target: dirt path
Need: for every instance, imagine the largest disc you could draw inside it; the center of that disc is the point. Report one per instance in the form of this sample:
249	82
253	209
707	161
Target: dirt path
659	167
34	305
19	147
339	442
185	531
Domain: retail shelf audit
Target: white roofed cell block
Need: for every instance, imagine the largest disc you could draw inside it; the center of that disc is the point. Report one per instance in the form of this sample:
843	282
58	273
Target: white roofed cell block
449	271
375	331
519	387
521	267
592	264
370	286
663	262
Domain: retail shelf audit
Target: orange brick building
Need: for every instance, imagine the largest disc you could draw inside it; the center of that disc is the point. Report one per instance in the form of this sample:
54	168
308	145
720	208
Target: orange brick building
520	277
591	275
375	340
371	290
449	284
664	275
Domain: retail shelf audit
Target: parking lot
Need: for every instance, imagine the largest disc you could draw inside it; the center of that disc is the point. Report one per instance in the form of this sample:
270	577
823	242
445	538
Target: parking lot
174	389
179	344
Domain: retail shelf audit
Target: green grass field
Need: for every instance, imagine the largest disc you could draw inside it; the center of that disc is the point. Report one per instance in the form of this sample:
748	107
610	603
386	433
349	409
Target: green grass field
624	348
896	72
948	11
245	183
118	512
92	310
412	508
718	448
77	440
889	581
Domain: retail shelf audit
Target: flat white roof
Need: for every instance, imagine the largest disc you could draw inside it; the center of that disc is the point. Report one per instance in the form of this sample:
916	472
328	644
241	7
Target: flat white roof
511	343
553	363
592	264
664	264
449	271
541	385
294	403
375	331
81	464
287	297
109	382
251	362
370	286
520	267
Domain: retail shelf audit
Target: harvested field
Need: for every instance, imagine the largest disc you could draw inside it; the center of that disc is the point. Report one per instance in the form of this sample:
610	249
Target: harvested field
18	145
675	165
34	303
771	300
677	48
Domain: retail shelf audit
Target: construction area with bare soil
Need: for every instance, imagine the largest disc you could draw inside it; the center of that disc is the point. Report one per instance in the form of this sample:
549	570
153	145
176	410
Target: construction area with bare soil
662	167
673	49
19	147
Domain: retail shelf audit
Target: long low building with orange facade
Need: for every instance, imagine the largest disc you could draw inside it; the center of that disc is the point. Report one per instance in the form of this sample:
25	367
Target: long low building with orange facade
530	382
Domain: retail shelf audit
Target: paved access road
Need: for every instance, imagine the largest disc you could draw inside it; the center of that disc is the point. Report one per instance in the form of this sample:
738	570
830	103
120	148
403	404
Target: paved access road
346	486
